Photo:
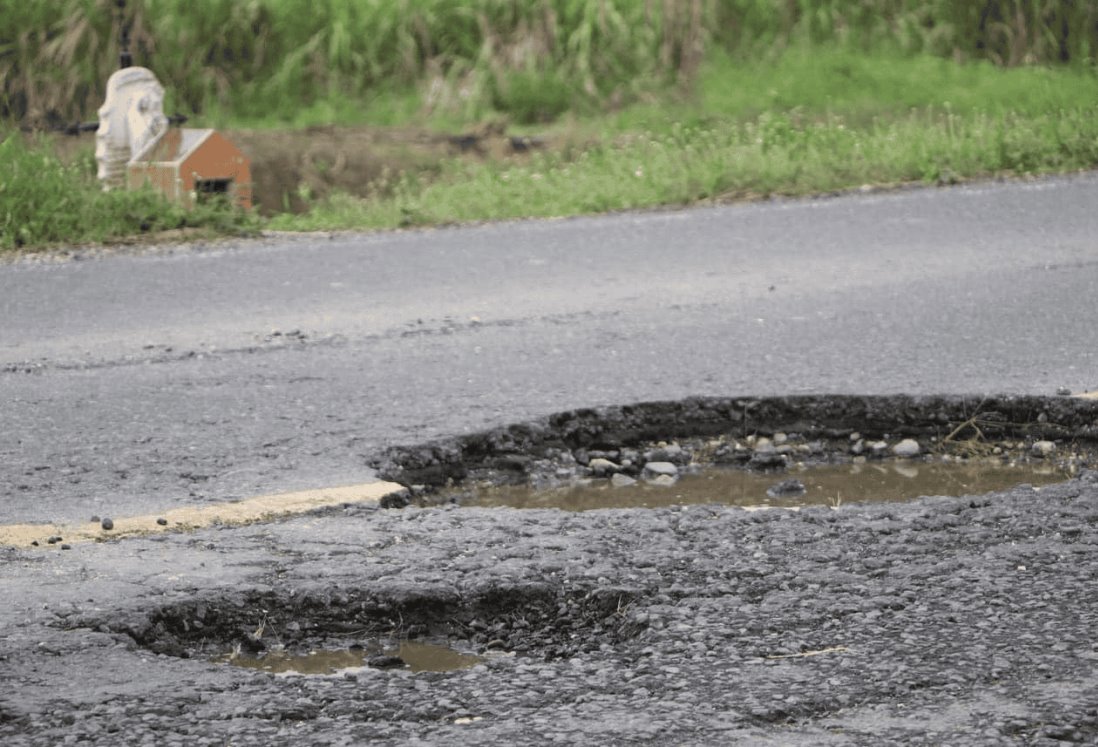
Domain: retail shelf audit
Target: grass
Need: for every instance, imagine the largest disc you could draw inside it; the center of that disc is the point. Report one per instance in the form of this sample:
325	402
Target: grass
44	201
694	100
817	120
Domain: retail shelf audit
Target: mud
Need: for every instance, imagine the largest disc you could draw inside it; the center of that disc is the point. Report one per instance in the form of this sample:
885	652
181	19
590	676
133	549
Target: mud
959	620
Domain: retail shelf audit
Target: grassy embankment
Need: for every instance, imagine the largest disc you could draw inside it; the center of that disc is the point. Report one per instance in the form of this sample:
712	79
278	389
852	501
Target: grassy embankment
697	100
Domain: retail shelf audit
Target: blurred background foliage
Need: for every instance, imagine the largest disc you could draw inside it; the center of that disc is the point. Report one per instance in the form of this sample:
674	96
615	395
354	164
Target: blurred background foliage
528	60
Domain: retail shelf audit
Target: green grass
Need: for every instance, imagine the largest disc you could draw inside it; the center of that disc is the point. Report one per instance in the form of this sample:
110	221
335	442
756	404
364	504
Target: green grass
817	120
681	102
44	201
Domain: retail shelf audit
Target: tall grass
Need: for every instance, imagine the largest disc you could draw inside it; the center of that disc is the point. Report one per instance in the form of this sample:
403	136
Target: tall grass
528	59
272	56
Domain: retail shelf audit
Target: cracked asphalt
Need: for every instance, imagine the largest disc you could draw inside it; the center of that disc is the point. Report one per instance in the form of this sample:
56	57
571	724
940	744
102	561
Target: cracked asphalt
137	381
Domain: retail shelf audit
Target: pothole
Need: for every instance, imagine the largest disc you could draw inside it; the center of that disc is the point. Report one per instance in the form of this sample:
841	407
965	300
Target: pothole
831	485
785	451
420	627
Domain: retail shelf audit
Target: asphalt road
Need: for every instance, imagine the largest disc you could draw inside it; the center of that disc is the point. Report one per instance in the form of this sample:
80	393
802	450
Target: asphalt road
139	381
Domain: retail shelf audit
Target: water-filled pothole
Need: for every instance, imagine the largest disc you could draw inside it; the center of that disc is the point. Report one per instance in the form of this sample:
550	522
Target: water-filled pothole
416	656
824	485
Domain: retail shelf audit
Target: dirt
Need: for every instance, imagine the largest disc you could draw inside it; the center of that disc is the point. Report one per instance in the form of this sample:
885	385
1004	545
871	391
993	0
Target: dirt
961	620
292	169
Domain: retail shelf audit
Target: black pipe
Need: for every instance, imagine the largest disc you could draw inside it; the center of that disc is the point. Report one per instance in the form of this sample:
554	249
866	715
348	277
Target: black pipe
125	59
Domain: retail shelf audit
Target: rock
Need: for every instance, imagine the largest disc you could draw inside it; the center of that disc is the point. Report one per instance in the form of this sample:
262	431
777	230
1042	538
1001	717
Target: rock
618	480
767	460
385	661
907	448
764	446
107	523
786	489
670	453
780	438
878	448
162	522
602	467
857	447
1042	449
661	468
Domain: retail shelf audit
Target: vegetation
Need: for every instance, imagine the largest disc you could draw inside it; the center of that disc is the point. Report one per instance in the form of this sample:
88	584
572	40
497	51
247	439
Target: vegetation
44	201
657	102
530	60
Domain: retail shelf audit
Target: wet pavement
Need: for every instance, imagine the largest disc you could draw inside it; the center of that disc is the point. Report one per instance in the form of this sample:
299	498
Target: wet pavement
961	619
965	620
135	384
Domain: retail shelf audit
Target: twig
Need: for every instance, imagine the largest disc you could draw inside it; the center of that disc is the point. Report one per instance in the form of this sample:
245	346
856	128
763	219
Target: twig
803	654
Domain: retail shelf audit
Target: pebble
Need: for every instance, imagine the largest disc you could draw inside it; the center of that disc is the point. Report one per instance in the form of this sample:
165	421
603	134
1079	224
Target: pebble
384	661
1042	449
907	448
786	488
602	467
162	522
107	523
661	468
618	480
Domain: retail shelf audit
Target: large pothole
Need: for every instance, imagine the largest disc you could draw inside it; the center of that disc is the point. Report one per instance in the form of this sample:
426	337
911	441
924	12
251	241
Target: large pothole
776	451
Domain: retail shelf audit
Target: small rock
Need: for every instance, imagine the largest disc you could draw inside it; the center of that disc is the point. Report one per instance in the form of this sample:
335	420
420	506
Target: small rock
94	519
767	460
1063	391
66	546
878	448
906	449
780	438
385	661
618	480
786	489
107	524
53	540
857	447
601	467
667	453
162	522
1042	449
661	468
764	446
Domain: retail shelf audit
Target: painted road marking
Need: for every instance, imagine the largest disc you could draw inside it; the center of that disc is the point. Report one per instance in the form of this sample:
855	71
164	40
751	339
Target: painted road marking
235	513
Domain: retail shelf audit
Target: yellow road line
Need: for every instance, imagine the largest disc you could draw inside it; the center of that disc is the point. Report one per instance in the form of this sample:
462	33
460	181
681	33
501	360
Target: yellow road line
248	511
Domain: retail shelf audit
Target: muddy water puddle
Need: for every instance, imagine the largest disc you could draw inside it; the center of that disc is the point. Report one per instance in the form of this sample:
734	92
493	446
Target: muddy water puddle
830	485
414	656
